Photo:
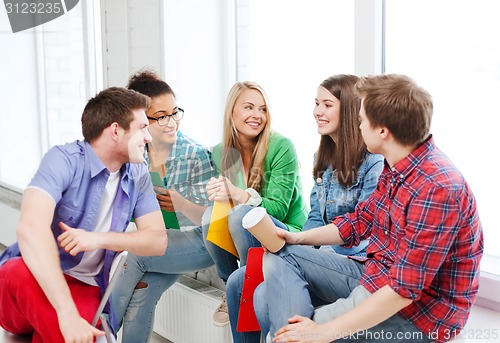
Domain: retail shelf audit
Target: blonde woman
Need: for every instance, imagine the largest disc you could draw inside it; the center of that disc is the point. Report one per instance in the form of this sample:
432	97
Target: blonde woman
258	167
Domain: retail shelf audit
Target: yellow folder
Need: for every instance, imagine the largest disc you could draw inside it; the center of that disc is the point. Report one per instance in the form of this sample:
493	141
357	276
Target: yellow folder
218	231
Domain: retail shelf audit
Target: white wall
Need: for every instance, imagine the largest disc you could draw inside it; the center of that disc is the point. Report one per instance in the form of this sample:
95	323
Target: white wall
131	38
9	218
200	63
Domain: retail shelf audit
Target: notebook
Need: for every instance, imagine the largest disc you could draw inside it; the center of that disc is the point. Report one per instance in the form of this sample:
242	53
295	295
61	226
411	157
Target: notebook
170	218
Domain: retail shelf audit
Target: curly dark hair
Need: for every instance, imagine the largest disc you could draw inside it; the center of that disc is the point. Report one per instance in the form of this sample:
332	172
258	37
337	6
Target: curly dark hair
148	83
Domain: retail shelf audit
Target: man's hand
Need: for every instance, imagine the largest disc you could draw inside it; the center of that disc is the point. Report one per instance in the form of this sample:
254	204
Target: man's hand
74	241
302	329
290	237
75	329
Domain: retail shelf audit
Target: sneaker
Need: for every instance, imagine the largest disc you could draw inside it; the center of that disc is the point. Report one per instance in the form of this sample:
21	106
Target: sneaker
221	316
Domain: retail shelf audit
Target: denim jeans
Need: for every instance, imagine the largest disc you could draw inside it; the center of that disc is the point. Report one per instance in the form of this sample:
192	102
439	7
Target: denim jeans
297	274
186	252
233	295
242	240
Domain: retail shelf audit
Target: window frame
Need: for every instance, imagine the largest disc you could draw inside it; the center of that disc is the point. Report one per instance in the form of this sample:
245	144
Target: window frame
488	296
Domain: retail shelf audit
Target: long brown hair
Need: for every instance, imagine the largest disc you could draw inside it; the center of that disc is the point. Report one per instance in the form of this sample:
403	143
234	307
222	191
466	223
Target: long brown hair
347	154
231	145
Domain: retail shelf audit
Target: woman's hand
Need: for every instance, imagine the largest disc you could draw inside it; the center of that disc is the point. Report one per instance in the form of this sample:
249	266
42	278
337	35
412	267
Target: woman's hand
167	198
222	189
213	186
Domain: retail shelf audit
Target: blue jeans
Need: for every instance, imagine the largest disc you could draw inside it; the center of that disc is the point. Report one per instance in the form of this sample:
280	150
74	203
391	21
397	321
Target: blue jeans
186	252
234	284
297	274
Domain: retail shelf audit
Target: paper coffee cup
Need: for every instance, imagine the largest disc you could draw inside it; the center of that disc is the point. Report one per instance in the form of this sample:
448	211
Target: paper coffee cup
260	225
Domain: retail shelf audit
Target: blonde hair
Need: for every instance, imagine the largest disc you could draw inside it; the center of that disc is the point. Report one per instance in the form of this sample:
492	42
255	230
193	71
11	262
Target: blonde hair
230	141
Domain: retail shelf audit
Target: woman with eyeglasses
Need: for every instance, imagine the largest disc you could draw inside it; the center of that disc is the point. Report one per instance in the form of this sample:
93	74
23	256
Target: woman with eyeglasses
185	167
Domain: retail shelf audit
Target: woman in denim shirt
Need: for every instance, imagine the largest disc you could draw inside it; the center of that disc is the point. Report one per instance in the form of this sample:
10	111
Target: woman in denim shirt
344	172
330	199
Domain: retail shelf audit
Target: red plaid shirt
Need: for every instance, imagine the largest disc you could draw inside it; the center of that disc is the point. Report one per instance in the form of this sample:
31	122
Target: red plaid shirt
426	240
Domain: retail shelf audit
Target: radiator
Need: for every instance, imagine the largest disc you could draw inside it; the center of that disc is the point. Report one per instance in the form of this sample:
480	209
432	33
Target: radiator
184	313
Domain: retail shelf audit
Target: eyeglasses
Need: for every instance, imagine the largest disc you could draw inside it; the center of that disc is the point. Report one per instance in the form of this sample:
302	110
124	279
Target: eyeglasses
164	119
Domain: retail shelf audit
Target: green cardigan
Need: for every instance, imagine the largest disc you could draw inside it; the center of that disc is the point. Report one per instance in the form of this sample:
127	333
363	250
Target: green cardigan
282	193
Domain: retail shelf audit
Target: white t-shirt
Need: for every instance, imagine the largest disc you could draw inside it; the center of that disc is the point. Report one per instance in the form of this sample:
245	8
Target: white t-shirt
92	261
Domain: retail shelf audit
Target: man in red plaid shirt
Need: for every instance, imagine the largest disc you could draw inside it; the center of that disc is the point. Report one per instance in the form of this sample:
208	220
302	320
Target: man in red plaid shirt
421	273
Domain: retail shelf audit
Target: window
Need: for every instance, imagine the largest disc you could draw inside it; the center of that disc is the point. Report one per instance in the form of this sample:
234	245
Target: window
19	105
199	63
457	61
289	48
46	82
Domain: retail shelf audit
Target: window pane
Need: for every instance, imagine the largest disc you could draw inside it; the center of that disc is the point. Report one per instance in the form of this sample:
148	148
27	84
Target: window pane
19	108
452	48
289	48
42	92
196	63
64	64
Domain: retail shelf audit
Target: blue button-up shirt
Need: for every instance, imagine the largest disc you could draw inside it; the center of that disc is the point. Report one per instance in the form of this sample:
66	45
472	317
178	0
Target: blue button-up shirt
75	178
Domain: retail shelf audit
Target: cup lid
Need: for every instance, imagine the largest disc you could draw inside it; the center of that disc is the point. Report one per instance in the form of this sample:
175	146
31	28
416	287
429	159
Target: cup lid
253	217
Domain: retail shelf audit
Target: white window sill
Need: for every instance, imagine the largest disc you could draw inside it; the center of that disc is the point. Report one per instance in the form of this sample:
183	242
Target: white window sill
483	326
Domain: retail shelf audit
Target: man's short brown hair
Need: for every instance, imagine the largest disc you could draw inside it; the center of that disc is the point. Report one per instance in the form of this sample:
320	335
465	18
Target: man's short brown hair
111	105
398	103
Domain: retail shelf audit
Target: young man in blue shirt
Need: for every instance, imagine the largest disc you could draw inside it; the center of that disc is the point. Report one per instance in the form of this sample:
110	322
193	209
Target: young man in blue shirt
73	217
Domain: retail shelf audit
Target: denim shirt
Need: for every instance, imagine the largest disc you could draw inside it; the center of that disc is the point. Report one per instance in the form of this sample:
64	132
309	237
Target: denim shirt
330	199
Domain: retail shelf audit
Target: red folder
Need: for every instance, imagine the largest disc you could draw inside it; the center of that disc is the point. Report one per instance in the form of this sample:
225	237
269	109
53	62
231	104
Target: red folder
247	321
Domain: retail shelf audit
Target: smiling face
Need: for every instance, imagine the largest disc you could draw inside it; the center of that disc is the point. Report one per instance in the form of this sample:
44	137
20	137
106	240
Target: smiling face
137	136
250	114
327	113
163	105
